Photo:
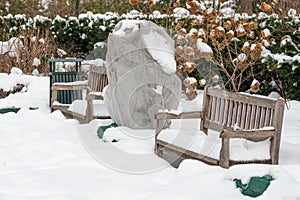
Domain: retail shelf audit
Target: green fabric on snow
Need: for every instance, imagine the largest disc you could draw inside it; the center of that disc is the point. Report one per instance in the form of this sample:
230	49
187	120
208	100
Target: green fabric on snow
6	110
15	110
102	129
255	187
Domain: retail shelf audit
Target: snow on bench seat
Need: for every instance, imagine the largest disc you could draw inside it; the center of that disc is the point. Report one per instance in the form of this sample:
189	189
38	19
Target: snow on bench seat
191	138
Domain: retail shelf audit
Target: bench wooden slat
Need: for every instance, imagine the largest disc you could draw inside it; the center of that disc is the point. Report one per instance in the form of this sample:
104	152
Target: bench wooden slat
213	125
239	114
243	115
69	87
222	110
247	134
269	117
253	116
258	116
213	108
277	123
186	153
227	110
263	117
207	110
218	113
233	119
184	115
248	117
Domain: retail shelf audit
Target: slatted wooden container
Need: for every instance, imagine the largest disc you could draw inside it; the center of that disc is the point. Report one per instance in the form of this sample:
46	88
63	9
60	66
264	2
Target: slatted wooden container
65	96
234	115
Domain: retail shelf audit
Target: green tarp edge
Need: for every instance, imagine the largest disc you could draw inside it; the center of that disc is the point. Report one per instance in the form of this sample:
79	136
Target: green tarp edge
255	187
7	110
15	110
102	129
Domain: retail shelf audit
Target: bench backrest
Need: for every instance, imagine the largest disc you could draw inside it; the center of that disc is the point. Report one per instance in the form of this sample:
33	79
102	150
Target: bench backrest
223	109
97	78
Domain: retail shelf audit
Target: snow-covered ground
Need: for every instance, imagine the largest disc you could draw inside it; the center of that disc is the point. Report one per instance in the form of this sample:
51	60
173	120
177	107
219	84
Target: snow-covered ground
45	156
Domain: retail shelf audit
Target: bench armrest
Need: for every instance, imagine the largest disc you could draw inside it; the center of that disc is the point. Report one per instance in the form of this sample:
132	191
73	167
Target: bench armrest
252	134
162	118
184	115
69	87
91	96
58	87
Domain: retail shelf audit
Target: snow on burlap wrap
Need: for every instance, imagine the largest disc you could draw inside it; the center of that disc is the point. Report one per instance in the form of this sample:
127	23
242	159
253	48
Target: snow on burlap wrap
141	73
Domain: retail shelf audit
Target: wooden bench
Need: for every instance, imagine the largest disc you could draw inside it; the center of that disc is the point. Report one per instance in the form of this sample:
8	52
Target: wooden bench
97	80
233	115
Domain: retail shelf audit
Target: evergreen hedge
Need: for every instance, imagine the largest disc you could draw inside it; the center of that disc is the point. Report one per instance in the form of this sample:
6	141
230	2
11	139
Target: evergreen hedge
78	35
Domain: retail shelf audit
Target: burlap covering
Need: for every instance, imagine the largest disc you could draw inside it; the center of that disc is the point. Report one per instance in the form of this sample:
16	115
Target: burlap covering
138	84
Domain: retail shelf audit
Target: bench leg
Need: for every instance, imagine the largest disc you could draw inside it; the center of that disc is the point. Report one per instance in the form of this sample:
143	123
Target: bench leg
224	154
89	111
274	151
158	151
159	127
53	98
